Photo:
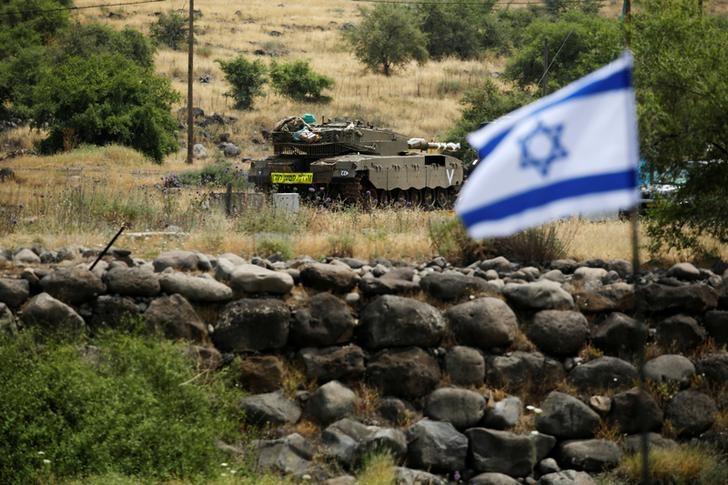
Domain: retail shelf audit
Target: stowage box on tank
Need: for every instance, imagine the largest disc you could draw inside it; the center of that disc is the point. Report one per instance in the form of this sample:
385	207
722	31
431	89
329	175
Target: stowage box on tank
354	162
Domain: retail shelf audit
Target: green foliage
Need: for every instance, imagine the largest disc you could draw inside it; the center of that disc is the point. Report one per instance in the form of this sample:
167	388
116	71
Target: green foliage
21	26
387	37
218	174
85	40
246	80
511	26
449	239
270	245
127	406
298	81
587	42
484	105
104	99
680	70
456	28
170	29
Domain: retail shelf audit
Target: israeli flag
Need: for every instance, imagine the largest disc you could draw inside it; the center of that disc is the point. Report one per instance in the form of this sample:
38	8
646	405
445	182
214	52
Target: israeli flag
572	152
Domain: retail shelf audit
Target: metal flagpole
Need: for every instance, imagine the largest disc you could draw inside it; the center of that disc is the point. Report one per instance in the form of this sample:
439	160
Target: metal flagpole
190	80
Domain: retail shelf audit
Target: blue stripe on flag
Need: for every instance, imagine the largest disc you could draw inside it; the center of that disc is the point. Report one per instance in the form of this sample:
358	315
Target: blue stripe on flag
621	79
564	189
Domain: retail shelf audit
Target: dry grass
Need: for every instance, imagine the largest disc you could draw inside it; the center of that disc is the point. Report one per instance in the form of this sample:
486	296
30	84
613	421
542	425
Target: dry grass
377	469
687	464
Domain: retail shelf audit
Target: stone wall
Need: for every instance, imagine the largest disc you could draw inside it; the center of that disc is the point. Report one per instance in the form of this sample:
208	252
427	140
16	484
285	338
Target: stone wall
493	373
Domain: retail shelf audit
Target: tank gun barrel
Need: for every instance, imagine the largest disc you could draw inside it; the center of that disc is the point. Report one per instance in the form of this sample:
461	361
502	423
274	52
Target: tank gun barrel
422	144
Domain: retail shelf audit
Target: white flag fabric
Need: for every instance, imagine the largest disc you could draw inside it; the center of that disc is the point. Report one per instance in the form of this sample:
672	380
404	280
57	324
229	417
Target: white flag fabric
572	152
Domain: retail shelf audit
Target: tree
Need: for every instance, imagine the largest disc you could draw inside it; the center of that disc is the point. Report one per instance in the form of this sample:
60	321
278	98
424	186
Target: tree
21	25
170	30
105	98
83	40
246	80
681	67
583	43
483	105
457	28
298	81
388	36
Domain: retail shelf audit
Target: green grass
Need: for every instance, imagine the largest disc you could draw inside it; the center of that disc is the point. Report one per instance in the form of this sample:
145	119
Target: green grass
129	410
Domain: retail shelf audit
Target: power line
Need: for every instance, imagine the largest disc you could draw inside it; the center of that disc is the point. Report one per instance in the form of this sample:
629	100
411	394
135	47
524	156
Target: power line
61	9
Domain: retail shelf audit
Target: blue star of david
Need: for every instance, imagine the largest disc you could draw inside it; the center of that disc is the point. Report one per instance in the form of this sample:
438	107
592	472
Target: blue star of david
539	161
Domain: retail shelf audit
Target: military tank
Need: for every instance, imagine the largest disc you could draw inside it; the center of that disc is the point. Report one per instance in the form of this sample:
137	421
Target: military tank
353	162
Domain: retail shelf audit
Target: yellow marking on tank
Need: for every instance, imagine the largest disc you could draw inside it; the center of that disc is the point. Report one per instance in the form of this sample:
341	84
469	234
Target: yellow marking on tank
291	177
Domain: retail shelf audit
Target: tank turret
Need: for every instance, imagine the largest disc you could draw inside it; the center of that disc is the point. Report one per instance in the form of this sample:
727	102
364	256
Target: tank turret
353	161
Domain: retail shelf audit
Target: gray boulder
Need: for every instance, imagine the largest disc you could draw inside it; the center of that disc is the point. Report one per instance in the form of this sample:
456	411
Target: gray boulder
523	370
566	417
680	332
45	311
461	407
465	366
589	455
558	332
684	271
501	452
407	373
395	321
384	440
453	286
14	292
499	264
179	260
716	323
395	410
270	408
691	412
199	151
484	323
137	281
206	358
491	478
503	414
230	149
254	279
633	444
175	318
695	298
195	288
436	446
617	296
72	285
567	477
670	368
261	373
291	455
328	277
603	373
409	476
8	324
619	333
714	367
633	413
252	325
26	256
333	363
340	441
539	295
326	320
394	282
331	402
111	311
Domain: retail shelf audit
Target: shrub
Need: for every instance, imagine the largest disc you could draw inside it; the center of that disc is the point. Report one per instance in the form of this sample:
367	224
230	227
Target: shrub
454	28
246	80
449	239
104	99
387	37
85	40
128	407
274	245
584	43
218	174
170	29
533	246
298	81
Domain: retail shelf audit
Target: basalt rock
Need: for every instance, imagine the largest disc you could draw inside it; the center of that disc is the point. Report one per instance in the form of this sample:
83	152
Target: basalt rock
325	321
395	321
252	325
409	373
484	323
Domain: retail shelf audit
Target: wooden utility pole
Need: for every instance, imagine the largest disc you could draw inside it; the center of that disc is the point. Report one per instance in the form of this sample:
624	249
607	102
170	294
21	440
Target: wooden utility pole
190	81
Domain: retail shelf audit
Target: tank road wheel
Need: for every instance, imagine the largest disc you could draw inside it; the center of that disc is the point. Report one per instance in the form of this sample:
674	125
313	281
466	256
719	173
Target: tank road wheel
399	198
383	198
415	197
428	198
441	198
